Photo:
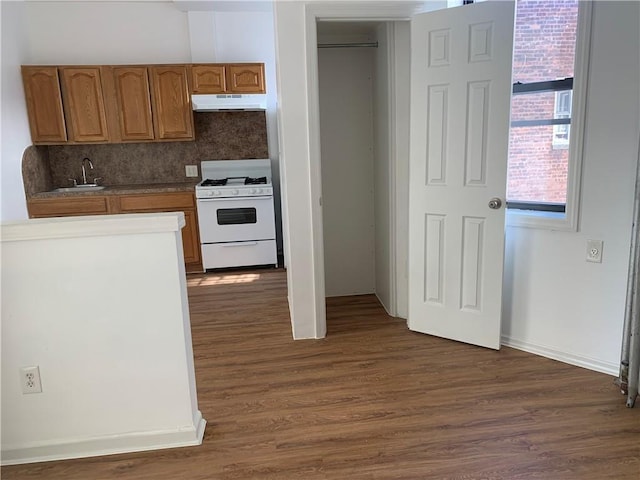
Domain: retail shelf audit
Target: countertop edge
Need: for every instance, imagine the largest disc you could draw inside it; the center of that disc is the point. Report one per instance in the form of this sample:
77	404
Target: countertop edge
120	190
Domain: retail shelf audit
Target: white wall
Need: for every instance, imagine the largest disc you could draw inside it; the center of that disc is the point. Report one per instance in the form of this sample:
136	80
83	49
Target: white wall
100	305
346	131
303	244
107	33
14	130
555	303
401	100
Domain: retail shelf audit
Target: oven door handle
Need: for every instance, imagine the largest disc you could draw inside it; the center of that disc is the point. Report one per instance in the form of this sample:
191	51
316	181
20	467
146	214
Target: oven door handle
239	244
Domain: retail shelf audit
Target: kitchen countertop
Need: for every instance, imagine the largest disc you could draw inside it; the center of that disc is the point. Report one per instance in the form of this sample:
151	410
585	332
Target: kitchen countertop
124	190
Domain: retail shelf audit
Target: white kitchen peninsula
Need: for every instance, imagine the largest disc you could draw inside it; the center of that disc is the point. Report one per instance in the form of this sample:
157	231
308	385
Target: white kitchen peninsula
99	304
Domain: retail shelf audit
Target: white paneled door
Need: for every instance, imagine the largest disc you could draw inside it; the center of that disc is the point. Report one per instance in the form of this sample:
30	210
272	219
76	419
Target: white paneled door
460	97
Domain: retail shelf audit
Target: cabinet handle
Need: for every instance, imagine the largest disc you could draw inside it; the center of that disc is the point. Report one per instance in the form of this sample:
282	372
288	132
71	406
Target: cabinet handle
243	244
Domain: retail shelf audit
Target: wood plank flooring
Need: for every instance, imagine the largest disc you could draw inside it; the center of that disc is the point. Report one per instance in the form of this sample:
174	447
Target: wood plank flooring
372	401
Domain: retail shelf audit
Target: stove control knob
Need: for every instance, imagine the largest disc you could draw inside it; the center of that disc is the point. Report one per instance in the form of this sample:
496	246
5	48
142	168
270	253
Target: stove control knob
216	192
234	192
254	191
259	190
211	194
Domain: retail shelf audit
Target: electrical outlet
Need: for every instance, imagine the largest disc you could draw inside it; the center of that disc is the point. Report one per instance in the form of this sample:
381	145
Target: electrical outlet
594	251
191	170
30	380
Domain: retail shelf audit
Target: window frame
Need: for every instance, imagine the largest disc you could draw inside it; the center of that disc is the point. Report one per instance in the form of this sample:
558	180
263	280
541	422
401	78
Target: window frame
521	217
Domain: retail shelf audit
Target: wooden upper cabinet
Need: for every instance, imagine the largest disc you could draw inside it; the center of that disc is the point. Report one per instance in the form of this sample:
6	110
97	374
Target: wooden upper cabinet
209	78
171	100
246	78
140	103
133	103
228	78
84	104
44	104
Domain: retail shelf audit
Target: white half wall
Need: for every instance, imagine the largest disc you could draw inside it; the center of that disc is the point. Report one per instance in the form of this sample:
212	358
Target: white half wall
14	125
555	303
100	305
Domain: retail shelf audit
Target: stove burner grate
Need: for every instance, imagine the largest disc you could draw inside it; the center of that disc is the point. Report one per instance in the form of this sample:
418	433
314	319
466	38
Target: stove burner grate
216	182
219	182
255	181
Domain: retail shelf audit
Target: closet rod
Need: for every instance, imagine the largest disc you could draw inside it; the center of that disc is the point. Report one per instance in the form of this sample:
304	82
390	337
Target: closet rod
347	45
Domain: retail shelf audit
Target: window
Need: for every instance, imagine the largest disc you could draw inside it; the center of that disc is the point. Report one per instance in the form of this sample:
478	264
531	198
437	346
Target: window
549	65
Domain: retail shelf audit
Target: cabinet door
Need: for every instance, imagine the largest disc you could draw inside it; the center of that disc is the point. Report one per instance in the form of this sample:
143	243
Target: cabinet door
208	78
44	104
246	78
84	104
191	239
133	103
172	115
161	202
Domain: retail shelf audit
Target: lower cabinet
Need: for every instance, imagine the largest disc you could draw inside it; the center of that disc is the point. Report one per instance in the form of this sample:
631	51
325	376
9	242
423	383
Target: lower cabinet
138	203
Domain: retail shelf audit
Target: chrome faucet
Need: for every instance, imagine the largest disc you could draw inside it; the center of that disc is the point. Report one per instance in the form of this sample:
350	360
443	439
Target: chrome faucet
84	171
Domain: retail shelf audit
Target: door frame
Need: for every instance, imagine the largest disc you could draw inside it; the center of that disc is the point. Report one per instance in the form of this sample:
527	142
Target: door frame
398	177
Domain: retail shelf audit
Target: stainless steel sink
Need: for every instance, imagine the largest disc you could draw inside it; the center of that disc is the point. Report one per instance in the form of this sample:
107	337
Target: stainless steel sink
89	187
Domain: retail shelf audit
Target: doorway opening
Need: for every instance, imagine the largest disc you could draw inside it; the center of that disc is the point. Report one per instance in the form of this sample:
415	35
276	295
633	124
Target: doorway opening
358	161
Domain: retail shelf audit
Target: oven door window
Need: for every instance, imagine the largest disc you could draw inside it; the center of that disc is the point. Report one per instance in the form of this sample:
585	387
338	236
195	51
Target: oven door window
236	216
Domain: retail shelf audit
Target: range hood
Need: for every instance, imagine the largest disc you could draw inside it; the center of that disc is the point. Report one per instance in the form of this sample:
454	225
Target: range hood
226	102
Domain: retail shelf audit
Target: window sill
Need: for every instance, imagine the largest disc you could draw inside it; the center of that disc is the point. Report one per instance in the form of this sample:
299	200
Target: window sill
541	220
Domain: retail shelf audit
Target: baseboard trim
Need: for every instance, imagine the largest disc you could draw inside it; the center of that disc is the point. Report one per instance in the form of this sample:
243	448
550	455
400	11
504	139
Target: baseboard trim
107	445
388	310
571	359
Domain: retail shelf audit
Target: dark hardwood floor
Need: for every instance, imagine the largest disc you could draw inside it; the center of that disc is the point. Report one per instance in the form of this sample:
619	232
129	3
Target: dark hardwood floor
371	401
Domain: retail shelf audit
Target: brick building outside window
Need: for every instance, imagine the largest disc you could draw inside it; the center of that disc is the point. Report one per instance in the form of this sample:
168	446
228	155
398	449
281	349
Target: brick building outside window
544	51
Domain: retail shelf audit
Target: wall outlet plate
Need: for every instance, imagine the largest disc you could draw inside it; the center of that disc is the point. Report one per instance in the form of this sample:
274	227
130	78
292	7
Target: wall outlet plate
30	380
191	170
594	251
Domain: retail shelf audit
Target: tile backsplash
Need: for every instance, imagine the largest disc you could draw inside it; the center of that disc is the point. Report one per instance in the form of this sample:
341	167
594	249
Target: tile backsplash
219	136
36	174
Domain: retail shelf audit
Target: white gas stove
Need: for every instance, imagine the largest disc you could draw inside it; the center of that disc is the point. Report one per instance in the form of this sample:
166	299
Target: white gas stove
236	213
235	178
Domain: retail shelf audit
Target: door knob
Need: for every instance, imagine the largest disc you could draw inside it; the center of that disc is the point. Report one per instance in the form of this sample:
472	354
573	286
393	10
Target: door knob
495	203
